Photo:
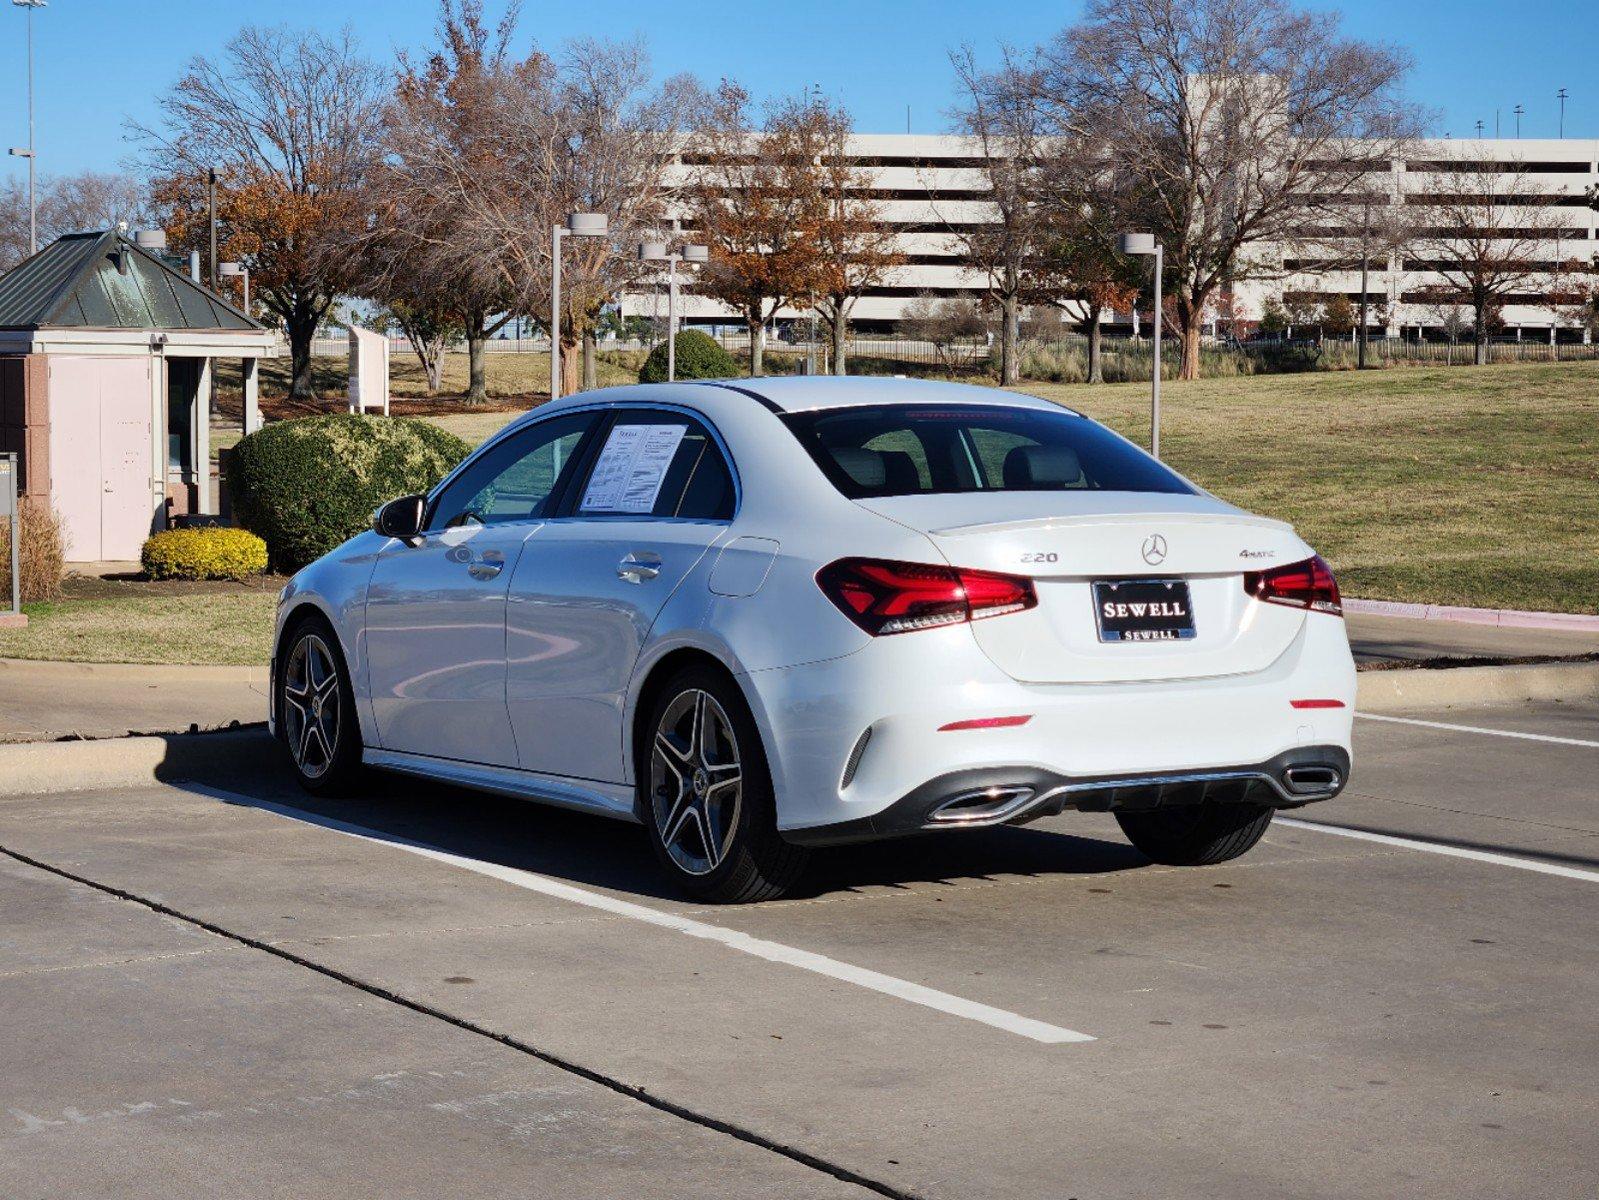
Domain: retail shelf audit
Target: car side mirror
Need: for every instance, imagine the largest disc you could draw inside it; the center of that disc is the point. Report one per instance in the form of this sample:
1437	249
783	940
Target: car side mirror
401	518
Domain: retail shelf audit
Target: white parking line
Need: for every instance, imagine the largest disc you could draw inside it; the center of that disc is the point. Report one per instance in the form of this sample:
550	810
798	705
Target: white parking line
805	960
1505	733
1486	856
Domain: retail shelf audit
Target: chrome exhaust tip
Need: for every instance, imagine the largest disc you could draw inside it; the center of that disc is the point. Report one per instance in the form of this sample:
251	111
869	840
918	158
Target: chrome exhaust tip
1311	780
982	806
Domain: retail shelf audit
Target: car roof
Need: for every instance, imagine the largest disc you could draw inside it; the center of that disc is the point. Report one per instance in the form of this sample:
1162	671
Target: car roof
794	393
804	393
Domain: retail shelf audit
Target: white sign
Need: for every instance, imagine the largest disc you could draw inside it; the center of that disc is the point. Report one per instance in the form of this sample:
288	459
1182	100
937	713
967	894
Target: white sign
631	469
369	371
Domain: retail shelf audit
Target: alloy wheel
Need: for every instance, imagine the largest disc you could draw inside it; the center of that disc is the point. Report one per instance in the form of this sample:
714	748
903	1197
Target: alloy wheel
311	706
696	782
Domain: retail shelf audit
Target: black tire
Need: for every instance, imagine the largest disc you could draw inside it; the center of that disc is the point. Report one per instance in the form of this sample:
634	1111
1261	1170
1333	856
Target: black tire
1196	835
705	793
316	713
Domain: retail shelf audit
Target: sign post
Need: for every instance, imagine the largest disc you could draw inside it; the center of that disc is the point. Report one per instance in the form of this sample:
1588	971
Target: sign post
12	512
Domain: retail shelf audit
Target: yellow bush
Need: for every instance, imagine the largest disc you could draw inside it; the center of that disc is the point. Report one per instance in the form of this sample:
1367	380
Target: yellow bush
206	553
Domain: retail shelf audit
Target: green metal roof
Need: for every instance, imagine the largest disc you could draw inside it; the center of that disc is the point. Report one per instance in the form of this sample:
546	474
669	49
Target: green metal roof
104	281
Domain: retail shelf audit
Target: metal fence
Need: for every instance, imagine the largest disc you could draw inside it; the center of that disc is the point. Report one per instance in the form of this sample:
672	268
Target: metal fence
1065	358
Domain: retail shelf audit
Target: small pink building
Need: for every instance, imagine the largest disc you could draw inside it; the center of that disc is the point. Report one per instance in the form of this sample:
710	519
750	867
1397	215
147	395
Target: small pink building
106	367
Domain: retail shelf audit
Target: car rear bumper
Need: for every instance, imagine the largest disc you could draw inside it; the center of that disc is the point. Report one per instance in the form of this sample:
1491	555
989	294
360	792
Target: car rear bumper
861	745
1008	796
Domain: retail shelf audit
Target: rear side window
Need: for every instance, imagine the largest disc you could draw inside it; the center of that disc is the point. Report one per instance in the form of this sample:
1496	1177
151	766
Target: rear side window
905	450
657	464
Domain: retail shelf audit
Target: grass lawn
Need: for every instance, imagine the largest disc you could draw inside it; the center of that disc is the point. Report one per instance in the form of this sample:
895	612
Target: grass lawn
1450	485
132	622
1475	486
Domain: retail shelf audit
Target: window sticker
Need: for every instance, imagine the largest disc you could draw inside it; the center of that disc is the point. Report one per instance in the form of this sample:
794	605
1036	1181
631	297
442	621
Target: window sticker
631	468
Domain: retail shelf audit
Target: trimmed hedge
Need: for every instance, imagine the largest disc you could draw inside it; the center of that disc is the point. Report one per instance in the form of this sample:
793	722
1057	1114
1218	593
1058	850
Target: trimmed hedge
307	485
699	356
211	552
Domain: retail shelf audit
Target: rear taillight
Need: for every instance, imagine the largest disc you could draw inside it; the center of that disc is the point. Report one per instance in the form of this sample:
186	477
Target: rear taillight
1309	584
897	597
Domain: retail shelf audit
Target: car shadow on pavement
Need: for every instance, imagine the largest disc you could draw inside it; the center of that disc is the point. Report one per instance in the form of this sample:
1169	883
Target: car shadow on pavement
596	851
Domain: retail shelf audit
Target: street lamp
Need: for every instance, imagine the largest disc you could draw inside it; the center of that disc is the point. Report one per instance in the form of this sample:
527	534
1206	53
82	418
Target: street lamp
577	225
658	252
1144	244
233	270
27	151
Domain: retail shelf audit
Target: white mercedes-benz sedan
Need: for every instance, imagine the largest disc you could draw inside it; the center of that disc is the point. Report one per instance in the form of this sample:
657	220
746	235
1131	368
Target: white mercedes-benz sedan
763	615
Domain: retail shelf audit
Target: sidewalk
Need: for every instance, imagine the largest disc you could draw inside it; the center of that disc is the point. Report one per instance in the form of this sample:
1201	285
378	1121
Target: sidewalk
43	701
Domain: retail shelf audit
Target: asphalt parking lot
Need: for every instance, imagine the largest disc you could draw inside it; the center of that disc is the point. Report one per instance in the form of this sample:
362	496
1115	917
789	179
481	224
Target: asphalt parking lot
219	987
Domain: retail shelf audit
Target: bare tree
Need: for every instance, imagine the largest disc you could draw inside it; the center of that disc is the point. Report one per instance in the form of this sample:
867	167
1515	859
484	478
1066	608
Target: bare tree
1447	308
423	253
620	131
943	323
754	198
998	114
1243	120
489	152
1485	232
291	121
1090	198
856	246
69	204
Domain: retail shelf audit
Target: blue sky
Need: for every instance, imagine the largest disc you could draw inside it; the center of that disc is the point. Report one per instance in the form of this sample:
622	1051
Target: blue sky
94	68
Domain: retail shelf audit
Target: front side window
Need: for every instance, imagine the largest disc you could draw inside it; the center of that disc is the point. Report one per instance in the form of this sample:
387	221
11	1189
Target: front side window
517	479
908	450
657	464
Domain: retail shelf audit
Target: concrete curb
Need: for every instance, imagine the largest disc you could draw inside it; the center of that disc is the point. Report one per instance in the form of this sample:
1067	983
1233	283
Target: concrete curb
31	768
1510	618
1389	691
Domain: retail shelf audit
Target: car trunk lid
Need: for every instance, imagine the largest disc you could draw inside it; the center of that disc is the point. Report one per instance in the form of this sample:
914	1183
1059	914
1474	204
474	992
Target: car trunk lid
1066	542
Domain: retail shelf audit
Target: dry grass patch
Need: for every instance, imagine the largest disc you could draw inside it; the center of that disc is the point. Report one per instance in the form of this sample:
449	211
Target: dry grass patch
178	627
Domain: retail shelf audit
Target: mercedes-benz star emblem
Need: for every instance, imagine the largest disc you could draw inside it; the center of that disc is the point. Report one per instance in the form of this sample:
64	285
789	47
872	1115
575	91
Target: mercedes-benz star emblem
1154	549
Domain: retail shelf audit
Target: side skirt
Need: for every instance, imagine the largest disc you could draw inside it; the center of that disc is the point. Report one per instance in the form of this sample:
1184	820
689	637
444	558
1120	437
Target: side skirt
583	795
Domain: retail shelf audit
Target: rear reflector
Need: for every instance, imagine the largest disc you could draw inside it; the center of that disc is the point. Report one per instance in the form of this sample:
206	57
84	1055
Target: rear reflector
884	597
1317	703
985	723
1309	584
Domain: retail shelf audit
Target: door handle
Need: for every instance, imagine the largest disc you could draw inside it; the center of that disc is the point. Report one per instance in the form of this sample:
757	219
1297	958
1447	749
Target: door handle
488	566
639	566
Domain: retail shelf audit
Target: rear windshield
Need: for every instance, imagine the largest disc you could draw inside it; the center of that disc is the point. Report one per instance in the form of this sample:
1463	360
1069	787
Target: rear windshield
909	450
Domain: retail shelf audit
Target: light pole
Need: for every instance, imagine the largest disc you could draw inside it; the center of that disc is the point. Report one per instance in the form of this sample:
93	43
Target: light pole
233	270
1520	112
1365	274
211	220
658	252
27	151
1561	96
1144	244
577	225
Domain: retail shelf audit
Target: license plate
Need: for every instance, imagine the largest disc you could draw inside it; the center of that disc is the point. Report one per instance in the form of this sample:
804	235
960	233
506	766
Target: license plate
1143	610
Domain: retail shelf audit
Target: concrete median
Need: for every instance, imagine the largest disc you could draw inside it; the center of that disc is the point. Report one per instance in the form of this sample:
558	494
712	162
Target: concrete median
30	768
1388	691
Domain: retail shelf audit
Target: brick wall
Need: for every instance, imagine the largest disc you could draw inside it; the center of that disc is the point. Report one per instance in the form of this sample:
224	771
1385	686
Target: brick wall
25	418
